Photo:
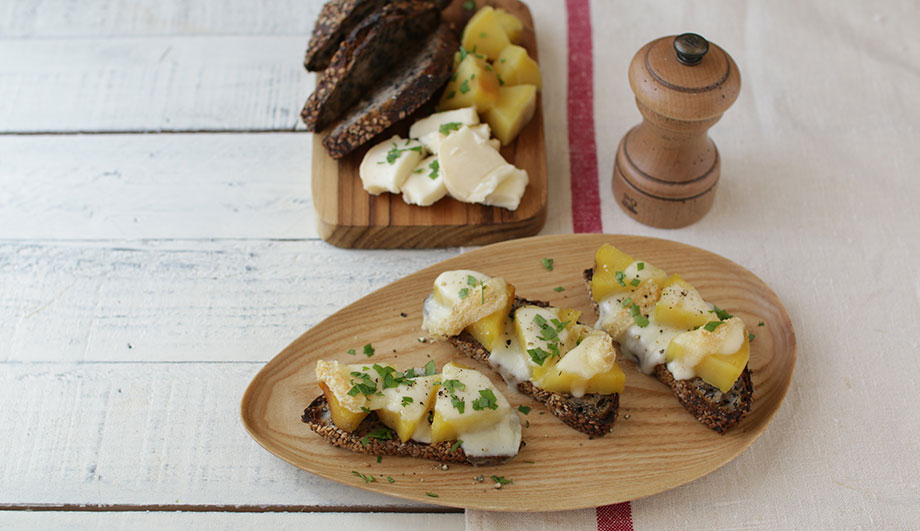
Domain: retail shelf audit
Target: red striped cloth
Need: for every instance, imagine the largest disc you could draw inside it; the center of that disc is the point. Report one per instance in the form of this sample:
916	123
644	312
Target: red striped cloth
586	202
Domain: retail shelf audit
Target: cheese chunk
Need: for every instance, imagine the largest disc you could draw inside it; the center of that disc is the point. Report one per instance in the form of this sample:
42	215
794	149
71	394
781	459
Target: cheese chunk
461	298
425	127
473	169
387	165
466	402
689	348
508	194
425	185
404	406
433	140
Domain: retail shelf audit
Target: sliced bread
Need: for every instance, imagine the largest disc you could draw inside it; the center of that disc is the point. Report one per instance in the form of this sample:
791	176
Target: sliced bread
397	95
336	19
715	409
592	414
317	416
365	56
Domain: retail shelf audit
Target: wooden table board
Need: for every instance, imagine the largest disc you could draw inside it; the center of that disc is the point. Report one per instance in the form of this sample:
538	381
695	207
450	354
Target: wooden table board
347	216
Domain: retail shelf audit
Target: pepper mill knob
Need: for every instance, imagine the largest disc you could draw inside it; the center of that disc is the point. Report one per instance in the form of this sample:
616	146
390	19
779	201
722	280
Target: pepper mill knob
667	168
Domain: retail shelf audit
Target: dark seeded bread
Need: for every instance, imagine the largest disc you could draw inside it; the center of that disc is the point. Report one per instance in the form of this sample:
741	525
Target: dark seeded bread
318	418
715	409
337	18
365	56
404	89
593	414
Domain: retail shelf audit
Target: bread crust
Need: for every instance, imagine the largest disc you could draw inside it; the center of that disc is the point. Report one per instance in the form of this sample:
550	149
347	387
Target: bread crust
591	414
336	19
316	415
715	409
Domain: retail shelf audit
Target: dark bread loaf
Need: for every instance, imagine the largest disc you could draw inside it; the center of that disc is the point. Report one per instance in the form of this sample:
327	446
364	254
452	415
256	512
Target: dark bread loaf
715	409
316	415
403	90
337	18
592	414
366	55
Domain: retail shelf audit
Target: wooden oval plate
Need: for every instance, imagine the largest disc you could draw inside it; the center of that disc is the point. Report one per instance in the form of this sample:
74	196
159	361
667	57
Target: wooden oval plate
655	444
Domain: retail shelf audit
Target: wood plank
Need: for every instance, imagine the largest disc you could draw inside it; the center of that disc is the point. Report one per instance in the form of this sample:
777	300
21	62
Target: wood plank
156	521
347	216
179	300
153	84
155	186
114	18
146	434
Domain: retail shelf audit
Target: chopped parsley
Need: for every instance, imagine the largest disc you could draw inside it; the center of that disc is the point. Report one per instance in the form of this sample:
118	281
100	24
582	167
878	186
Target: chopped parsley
451	94
367	479
626	302
501	82
465	86
390	379
524	409
721	314
634	282
445	129
365	409
379	458
351	351
712	325
453	77
380	434
751	337
453	385
463	293
431	495
430	368
469	5
483	35
637	316
435	167
368	350
406	400
501	480
472	77
390	479
538	355
457	443
366	386
503	60
486	400
620	276
640	266
547	263
420	170
761	324
471	281
558	289
395	152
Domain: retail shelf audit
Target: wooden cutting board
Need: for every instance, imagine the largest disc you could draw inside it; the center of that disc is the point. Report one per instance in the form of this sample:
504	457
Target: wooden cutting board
347	216
655	444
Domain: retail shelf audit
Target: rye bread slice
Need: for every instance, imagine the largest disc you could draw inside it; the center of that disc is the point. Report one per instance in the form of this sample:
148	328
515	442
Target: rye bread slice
592	414
715	409
365	56
316	415
336	19
403	90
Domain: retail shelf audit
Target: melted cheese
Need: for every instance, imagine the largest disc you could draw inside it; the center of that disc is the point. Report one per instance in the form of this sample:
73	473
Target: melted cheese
459	299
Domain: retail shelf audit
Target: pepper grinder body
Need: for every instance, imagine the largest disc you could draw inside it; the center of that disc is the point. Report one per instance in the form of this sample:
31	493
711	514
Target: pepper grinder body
667	168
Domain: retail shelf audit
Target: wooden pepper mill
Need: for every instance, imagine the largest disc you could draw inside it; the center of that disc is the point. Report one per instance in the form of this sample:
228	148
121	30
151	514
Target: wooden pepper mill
667	167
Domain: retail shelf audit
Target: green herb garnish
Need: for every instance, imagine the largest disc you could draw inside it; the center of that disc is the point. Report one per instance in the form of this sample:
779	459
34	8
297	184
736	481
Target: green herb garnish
751	337
637	316
390	479
712	325
721	314
483	35
351	351
451	94
367	479
368	350
445	129
634	282
538	355
558	289
453	385
524	409
453	447
486	400
501	480
380	434
620	276
626	302
640	266
463	293
406	400
547	263
761	324
501	82
469	5
435	167
465	86
430	368
431	495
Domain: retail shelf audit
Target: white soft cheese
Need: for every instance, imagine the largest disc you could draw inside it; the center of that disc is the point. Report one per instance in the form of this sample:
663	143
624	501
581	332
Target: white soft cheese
508	194
473	169
387	165
509	359
427	129
502	438
460	298
695	345
471	419
425	184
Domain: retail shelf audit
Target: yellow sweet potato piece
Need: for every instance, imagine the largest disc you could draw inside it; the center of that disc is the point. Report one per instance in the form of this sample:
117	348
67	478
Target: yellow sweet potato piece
492	327
473	83
515	67
484	34
513	110
511	24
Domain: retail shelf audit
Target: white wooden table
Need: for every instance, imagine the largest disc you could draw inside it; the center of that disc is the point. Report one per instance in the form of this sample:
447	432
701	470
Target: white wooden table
157	247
